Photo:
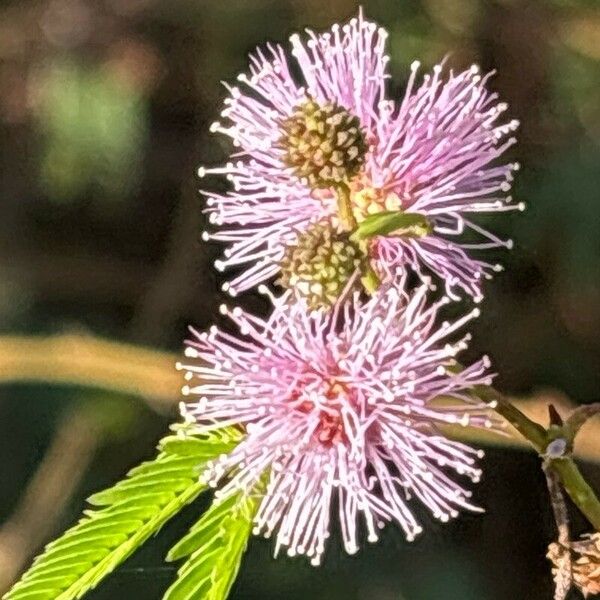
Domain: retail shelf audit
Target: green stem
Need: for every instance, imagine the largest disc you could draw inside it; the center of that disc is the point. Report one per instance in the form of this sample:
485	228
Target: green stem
578	418
579	491
529	429
570	477
345	207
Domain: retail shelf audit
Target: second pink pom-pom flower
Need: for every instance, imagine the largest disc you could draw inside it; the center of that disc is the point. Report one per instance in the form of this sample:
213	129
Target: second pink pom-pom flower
337	408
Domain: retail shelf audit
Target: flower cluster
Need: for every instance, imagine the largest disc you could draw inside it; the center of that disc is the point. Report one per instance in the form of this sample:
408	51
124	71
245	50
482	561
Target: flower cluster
299	143
338	406
337	192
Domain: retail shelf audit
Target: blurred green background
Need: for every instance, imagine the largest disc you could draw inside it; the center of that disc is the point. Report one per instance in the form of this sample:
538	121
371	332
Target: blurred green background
104	111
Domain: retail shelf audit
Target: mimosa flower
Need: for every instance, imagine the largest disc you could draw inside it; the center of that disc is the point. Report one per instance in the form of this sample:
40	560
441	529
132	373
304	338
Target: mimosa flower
301	142
343	408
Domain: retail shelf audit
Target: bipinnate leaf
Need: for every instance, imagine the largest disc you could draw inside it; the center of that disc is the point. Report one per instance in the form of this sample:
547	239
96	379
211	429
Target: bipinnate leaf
123	518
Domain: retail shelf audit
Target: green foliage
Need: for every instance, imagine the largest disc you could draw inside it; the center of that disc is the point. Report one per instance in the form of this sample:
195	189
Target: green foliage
94	127
126	515
214	548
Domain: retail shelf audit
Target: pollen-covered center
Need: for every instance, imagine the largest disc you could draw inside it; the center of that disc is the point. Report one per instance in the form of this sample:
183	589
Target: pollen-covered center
319	264
325	411
323	144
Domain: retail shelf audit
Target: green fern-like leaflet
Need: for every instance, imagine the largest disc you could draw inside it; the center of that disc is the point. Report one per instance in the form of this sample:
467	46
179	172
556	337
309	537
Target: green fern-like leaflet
214	549
127	514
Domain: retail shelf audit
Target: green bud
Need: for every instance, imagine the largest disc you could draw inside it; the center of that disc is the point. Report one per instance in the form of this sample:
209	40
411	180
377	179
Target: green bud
323	144
320	263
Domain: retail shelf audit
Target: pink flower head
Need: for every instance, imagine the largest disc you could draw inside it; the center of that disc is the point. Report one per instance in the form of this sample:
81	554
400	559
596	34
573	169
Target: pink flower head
433	153
338	408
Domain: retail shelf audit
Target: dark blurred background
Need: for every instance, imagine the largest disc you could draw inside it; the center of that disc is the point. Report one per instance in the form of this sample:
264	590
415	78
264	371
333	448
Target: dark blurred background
104	113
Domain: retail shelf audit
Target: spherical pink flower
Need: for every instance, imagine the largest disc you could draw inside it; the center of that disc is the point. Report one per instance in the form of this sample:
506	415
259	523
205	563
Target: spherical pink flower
343	408
433	153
